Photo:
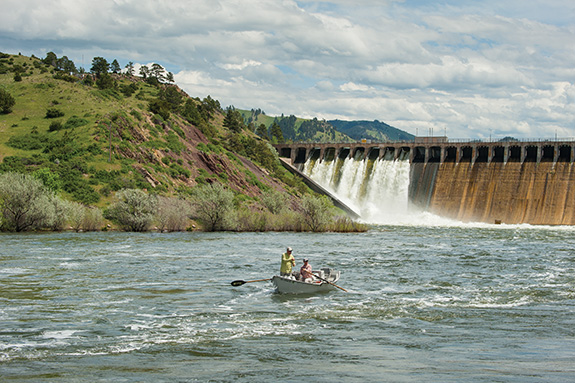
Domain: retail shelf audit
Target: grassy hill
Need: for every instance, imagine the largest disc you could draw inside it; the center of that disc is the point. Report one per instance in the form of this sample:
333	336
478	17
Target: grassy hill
131	133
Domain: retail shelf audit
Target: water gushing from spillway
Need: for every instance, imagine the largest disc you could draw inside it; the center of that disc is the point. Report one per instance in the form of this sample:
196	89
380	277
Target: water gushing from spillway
376	188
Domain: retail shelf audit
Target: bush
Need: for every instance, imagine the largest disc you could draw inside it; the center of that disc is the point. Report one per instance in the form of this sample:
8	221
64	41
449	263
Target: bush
134	210
32	141
84	218
50	179
82	192
54	113
58	212
55	126
316	212
6	102
93	219
75	122
213	205
172	214
128	90
26	204
161	108
105	81
274	201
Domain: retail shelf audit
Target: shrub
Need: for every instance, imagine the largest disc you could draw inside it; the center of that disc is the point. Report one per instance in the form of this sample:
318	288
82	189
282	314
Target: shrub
134	210
93	219
105	81
54	113
25	202
161	108
50	179
82	191
316	212
32	141
6	102
213	205
76	212
55	126
274	201
75	122
172	214
58	212
128	90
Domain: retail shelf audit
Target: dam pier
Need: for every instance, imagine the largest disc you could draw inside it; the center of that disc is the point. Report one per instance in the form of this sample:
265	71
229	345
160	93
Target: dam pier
512	182
435	149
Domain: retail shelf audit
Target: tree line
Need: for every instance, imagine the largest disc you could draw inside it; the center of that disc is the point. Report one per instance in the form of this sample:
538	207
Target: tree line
28	203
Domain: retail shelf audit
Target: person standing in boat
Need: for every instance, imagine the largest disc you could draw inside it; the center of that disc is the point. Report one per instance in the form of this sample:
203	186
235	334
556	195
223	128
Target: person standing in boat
288	261
305	272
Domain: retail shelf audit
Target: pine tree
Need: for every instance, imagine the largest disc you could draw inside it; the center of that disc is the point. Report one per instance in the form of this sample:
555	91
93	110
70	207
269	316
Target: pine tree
276	134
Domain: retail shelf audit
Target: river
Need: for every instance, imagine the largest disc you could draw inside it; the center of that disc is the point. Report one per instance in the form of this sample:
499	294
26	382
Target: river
447	303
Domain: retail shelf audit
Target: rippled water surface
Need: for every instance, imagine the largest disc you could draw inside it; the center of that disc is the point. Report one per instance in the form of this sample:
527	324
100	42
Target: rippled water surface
425	304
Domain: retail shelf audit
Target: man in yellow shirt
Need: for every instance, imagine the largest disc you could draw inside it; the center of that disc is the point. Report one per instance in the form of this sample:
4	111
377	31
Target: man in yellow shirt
288	261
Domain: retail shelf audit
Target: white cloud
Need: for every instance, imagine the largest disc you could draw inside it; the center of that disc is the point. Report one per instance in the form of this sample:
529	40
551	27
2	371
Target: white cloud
468	68
353	87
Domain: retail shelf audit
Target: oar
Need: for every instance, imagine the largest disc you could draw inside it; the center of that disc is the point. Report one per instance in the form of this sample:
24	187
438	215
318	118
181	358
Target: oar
240	282
333	284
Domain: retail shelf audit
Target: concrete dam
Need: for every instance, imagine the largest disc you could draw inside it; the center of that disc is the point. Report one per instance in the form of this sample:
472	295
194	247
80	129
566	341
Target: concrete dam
493	182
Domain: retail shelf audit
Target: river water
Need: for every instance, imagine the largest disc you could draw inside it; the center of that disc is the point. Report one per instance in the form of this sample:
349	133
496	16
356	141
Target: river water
424	304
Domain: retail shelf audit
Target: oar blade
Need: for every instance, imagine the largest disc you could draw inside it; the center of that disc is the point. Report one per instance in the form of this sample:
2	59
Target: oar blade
238	283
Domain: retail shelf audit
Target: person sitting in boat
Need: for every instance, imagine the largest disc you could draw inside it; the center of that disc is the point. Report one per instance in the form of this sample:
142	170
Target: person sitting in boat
305	272
288	261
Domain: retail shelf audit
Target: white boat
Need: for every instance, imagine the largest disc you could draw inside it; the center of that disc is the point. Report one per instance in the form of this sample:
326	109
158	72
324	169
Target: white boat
324	281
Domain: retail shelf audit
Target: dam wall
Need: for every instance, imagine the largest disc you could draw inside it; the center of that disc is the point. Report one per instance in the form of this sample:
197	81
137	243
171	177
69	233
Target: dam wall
535	193
511	182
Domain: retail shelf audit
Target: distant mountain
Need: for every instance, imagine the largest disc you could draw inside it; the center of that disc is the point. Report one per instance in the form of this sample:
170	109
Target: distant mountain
371	130
314	130
295	129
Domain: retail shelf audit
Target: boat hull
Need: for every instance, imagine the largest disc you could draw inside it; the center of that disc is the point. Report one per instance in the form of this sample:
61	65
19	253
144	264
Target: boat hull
286	285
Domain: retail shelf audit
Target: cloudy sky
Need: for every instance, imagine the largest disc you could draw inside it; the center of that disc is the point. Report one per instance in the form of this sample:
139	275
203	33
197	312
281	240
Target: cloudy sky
468	69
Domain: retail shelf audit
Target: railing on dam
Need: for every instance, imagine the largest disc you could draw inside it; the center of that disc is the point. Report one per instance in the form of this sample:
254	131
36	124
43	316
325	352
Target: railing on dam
438	150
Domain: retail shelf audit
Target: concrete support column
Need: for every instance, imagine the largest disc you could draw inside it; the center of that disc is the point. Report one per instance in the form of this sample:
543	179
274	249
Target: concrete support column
539	153
506	153
556	152
523	154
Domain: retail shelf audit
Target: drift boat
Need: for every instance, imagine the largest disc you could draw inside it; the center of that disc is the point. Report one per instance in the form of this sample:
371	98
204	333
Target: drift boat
325	281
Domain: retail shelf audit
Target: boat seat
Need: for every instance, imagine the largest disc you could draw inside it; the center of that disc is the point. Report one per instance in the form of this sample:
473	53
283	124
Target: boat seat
327	271
319	273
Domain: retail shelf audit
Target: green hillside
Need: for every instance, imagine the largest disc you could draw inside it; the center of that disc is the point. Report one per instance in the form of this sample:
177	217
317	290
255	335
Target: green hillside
106	149
99	133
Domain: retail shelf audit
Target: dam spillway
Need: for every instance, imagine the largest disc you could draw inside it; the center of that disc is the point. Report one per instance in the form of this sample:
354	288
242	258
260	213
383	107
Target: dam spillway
495	182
